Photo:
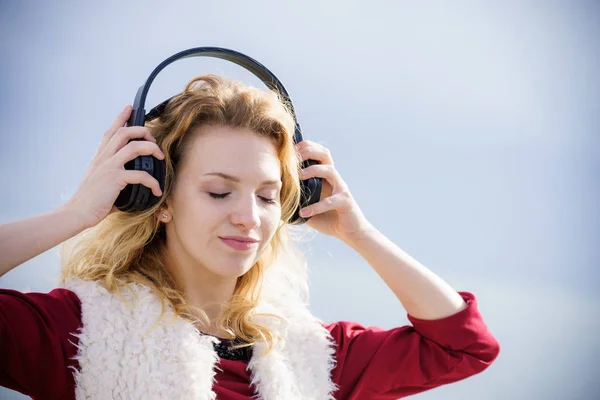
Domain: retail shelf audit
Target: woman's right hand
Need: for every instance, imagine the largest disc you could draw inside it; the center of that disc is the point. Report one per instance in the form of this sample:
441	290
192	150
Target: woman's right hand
106	176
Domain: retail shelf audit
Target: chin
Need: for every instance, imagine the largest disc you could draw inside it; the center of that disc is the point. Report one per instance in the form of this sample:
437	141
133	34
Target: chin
232	270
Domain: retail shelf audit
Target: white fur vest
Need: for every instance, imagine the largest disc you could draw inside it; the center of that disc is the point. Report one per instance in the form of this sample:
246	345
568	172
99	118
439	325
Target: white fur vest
124	354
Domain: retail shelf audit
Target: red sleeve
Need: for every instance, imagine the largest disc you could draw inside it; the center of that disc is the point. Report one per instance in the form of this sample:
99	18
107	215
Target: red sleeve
373	363
36	345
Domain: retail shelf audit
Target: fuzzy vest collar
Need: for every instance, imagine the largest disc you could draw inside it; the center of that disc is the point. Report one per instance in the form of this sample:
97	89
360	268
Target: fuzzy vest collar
124	354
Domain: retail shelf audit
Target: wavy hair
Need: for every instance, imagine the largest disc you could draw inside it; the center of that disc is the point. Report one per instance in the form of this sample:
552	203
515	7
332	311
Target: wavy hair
130	247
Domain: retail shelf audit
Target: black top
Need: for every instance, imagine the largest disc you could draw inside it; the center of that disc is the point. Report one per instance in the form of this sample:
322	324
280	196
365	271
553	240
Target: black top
226	351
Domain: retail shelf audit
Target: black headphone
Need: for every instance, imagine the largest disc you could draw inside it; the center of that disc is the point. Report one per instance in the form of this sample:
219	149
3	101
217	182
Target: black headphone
137	197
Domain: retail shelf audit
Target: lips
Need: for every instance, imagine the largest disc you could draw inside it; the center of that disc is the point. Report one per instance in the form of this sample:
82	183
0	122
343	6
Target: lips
240	238
239	243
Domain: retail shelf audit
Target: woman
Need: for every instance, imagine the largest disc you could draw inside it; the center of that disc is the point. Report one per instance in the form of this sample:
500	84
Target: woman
204	295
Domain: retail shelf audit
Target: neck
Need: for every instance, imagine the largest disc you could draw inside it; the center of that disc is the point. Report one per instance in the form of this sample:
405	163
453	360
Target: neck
202	289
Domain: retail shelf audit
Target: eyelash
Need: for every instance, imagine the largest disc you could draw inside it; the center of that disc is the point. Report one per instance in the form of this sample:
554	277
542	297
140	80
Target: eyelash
223	195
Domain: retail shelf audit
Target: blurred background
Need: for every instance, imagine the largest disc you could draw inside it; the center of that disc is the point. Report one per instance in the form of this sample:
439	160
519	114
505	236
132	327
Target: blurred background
467	131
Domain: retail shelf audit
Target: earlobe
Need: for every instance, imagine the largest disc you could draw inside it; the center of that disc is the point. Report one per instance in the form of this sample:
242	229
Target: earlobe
163	215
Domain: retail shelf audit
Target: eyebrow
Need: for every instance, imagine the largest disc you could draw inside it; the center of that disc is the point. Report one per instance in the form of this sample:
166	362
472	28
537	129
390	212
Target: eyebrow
237	180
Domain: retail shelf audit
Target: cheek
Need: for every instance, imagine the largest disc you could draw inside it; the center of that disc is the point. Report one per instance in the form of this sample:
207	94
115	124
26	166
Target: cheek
270	222
193	213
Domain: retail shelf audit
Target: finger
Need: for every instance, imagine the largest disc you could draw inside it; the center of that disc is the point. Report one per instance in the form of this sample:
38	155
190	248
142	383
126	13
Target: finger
314	151
119	122
124	135
137	148
141	177
326	171
340	202
305	142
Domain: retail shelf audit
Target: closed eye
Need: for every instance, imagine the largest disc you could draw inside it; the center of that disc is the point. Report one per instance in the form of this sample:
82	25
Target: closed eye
269	201
223	195
218	195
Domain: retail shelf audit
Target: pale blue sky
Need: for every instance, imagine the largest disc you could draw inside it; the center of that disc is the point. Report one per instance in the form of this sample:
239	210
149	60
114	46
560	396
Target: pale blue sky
467	132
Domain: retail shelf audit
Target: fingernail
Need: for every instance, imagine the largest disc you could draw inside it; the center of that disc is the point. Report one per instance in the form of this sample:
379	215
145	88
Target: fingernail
304	212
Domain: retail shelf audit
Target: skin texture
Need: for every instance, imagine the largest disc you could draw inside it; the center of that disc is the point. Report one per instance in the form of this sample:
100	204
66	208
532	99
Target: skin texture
196	221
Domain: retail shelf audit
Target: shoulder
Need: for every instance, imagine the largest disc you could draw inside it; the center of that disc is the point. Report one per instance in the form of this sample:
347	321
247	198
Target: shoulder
58	301
58	310
342	331
59	298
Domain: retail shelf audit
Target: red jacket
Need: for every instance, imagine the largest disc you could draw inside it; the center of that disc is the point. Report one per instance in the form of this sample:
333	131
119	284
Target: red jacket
37	350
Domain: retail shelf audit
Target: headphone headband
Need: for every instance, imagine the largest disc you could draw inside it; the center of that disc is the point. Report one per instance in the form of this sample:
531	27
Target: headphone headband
139	117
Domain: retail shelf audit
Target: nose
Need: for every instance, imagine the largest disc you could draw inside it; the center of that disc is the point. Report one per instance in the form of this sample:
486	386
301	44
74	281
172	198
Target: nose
246	214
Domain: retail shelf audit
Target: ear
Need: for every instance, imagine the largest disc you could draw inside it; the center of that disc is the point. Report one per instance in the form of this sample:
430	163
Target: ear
163	214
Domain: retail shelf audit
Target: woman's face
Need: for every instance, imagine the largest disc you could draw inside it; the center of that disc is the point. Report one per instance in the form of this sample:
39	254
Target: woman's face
224	208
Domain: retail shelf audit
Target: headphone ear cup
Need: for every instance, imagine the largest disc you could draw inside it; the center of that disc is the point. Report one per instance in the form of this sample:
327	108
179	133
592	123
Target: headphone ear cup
126	201
310	193
137	197
159	173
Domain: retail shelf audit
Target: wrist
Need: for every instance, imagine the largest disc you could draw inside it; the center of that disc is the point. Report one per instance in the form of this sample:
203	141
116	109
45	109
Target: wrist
72	219
357	238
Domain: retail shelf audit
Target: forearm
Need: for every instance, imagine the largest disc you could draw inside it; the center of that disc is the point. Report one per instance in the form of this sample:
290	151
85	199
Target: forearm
23	240
423	294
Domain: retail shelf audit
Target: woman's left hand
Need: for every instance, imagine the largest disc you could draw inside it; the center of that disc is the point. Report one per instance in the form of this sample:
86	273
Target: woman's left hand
336	214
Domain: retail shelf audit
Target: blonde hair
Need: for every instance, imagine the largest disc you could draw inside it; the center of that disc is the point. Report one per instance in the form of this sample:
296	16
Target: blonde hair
130	247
